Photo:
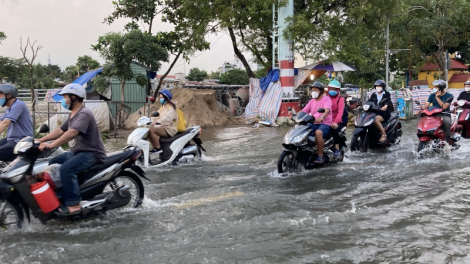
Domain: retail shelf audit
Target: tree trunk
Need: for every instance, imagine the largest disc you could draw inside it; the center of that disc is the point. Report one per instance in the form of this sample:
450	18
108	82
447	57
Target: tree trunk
239	54
122	91
33	97
166	73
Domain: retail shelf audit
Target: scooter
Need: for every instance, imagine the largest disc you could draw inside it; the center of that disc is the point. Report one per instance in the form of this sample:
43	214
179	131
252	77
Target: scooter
462	111
110	185
177	149
366	135
300	149
431	133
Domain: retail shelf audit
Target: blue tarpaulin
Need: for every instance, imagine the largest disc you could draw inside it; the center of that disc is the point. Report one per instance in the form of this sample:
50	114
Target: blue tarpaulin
85	78
272	76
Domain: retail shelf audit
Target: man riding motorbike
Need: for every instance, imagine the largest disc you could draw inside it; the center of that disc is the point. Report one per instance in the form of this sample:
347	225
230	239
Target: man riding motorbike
86	149
165	123
16	119
465	95
382	98
321	127
441	99
337	109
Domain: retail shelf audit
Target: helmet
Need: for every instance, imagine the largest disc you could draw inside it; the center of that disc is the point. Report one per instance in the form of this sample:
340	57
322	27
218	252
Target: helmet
318	85
75	89
9	89
441	84
380	83
467	83
166	94
334	84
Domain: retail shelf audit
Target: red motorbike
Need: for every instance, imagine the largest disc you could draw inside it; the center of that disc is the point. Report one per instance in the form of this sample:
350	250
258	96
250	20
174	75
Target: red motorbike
431	133
462	111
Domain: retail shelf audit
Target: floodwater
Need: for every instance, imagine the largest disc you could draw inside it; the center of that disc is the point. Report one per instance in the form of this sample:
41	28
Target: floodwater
384	206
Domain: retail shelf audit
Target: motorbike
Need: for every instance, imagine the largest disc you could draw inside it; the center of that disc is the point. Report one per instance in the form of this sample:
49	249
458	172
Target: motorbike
110	185
366	135
462	111
300	148
431	133
177	149
44	157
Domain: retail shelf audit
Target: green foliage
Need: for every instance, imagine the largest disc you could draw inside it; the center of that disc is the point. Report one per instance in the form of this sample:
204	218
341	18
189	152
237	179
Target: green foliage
41	80
195	74
235	76
12	70
69	74
52	70
2	36
119	50
260	73
137	10
86	63
100	83
214	75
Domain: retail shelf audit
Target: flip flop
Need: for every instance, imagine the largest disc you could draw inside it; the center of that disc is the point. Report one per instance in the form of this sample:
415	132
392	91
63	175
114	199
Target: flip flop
383	138
64	211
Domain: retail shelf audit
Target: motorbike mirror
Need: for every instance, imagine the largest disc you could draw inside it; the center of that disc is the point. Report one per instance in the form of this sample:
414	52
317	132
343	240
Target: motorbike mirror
155	114
43	129
417	102
321	110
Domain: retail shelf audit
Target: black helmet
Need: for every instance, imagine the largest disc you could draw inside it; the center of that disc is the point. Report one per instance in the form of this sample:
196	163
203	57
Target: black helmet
9	89
318	85
441	84
380	83
467	83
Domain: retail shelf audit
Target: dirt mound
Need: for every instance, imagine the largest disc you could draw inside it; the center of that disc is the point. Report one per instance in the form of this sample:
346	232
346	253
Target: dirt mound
199	107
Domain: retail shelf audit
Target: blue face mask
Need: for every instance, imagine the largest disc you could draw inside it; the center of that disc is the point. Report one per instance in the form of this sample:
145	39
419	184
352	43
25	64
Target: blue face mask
162	100
333	93
2	101
64	105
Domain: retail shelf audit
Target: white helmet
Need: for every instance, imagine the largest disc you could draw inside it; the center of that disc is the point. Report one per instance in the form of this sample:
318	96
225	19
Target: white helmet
75	89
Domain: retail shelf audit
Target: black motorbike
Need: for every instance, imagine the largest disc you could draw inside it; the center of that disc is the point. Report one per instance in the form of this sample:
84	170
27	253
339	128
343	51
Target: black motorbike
366	135
300	149
110	185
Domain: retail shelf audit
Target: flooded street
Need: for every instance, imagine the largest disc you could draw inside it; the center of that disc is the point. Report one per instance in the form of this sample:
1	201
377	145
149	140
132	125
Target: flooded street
385	206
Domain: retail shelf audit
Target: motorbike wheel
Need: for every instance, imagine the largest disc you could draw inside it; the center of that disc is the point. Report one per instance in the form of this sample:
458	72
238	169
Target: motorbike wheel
422	145
358	144
285	162
12	217
136	188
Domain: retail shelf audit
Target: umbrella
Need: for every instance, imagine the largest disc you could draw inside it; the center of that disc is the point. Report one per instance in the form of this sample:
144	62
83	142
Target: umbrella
334	66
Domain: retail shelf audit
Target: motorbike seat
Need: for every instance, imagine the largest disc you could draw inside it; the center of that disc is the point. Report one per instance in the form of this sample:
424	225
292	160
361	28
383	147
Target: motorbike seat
111	158
177	136
394	115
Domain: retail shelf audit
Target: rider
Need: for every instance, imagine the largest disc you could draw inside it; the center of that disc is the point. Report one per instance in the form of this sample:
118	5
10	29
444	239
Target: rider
382	98
165	123
16	119
86	149
321	127
441	99
337	109
465	95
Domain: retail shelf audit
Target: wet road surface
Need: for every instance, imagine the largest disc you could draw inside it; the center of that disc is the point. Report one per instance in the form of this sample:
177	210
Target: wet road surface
385	206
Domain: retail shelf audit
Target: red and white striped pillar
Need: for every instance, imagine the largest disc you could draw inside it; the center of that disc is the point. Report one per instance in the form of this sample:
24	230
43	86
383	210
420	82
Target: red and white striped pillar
286	51
286	76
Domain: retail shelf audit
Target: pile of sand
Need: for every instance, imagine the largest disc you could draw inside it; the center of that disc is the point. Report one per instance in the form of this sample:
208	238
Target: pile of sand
199	107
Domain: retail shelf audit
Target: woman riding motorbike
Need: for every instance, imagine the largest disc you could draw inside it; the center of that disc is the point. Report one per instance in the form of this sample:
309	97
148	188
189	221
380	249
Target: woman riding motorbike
337	109
382	98
165	124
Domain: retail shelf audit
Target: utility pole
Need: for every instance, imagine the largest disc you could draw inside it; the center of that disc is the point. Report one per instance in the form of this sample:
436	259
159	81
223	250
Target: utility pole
409	70
388	52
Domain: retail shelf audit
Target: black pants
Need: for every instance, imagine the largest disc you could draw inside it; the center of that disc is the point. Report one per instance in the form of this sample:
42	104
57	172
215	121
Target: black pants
335	133
6	150
446	125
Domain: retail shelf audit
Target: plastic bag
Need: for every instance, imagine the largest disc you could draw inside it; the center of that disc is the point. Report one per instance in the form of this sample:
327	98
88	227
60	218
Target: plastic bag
54	172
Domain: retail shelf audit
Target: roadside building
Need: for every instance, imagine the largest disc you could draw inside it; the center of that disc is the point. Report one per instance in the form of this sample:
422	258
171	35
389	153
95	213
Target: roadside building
458	74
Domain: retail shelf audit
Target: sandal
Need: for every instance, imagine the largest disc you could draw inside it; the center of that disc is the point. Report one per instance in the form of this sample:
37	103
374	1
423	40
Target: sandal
383	138
65	211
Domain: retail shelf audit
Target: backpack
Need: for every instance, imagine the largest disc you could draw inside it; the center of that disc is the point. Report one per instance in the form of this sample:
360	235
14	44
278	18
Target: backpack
181	124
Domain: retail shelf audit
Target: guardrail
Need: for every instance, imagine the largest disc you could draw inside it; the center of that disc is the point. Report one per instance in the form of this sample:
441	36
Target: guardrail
25	94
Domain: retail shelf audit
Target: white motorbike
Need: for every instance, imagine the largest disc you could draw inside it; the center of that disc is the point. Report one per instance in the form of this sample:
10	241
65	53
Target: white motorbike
177	149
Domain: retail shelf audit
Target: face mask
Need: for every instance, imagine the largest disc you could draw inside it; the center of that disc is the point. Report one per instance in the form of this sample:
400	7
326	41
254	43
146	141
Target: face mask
434	90
64	105
315	95
379	89
162	100
333	93
467	89
2	101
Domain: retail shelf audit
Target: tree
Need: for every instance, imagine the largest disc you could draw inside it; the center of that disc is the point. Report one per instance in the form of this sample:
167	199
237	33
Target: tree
52	70
195	74
235	77
30	65
2	36
12	70
86	63
214	75
120	50
69	74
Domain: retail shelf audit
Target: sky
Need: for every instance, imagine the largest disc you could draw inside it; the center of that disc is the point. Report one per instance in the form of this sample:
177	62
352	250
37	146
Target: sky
67	29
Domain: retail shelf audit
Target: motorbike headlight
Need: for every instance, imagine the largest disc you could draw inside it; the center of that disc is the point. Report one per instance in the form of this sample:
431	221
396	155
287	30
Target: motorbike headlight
369	122
298	139
366	107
